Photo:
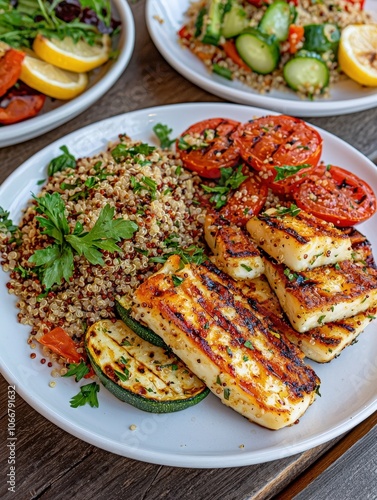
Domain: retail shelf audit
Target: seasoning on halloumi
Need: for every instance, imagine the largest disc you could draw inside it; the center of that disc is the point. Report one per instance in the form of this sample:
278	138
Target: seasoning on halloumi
317	296
298	239
251	367
234	252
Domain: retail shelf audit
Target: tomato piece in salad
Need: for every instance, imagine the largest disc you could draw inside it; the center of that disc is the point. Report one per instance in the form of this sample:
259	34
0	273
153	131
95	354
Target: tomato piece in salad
59	342
247	201
10	69
277	141
20	103
207	146
336	195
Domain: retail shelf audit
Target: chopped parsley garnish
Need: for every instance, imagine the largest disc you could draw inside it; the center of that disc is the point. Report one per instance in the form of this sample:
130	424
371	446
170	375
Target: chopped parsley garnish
185	146
55	262
79	370
292	210
245	358
87	395
248	344
24	273
126	342
163	132
177	280
62	162
189	254
321	318
226	393
123	376
146	184
122	151
141	251
248	269
178	170
317	390
218	380
230	179
288	170
229	351
370	316
6	225
337	266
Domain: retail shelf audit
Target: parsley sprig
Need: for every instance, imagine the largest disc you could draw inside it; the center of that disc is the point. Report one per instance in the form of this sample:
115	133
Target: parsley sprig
189	254
6	224
55	262
87	395
230	179
292	210
288	170
122	151
78	370
61	162
163	133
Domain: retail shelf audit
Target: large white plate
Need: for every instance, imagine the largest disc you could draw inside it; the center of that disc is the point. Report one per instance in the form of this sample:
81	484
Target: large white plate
209	434
345	97
57	112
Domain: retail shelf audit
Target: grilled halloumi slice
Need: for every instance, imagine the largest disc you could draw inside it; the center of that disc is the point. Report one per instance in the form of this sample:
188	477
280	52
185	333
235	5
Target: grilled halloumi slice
234	252
300	241
248	365
318	296
321	344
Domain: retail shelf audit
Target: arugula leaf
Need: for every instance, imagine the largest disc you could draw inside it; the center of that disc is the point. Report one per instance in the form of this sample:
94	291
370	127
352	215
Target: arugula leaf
65	160
288	170
55	262
87	395
230	179
79	370
163	132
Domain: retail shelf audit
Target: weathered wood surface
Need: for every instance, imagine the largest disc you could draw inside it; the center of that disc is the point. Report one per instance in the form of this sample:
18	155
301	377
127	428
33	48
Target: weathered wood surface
51	464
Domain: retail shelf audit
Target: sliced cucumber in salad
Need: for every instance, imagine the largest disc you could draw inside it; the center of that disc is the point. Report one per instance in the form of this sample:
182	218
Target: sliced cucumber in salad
259	51
213	22
306	72
321	37
277	19
235	21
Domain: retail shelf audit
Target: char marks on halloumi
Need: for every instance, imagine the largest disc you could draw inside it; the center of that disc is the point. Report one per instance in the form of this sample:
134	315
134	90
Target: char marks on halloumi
300	241
234	252
200	313
322	295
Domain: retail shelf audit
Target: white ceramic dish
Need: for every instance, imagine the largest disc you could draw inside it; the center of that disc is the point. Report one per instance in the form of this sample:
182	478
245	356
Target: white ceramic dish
57	112
209	434
165	17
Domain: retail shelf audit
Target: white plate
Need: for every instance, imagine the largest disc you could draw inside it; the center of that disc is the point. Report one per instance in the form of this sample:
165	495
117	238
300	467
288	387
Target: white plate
346	96
57	112
209	434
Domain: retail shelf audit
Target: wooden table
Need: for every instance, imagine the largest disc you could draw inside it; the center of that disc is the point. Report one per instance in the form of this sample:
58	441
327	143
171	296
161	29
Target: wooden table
52	464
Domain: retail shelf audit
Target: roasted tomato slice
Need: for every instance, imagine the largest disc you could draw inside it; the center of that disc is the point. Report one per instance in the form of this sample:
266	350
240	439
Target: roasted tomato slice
62	344
206	146
279	140
337	196
10	69
247	201
20	103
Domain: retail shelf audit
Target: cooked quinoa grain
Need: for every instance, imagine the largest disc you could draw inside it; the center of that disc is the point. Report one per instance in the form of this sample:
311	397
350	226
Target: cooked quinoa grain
168	209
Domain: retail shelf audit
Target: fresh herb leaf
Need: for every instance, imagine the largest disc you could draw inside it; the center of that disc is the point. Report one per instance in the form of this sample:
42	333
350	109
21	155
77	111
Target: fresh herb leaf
122	376
79	370
288	170
248	269
24	273
230	179
121	151
226	393
248	344
163	132
317	391
6	224
292	210
62	162
146	183
177	280
87	395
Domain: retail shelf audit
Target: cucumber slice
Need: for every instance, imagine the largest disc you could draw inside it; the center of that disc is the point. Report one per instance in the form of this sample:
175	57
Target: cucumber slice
276	20
321	37
143	331
259	51
136	372
213	22
306	72
234	21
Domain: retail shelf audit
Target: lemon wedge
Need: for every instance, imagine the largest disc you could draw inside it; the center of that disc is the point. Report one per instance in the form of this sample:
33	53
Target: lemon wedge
50	80
78	57
358	53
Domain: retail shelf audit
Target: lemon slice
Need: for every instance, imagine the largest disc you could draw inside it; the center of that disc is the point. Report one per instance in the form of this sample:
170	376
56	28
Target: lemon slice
50	80
79	57
358	53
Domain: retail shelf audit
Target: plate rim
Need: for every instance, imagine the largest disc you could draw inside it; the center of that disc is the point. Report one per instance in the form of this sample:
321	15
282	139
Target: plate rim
176	459
40	124
303	108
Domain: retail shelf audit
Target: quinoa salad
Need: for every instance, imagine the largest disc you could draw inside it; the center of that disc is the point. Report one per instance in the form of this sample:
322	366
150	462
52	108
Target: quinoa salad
248	48
141	184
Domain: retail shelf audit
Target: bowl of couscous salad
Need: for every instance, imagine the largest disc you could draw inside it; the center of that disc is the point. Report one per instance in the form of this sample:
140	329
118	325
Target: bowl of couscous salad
301	57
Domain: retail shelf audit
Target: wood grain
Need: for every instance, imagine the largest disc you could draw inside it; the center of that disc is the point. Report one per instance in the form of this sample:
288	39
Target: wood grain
51	464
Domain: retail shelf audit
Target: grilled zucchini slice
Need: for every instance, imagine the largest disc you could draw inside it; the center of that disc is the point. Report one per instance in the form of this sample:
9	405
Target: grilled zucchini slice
142	331
136	372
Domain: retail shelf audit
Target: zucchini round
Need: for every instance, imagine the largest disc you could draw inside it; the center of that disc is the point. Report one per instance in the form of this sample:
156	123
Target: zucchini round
143	331
136	372
306	72
258	50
